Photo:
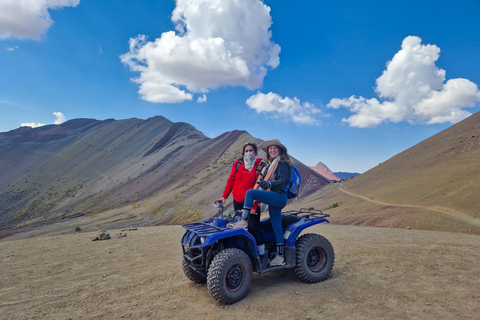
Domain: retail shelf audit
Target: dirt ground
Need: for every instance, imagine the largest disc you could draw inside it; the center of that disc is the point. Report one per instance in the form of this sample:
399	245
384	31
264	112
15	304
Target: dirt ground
379	273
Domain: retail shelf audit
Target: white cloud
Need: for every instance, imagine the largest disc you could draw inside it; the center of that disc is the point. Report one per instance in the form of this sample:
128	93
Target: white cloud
202	99
277	106
32	124
217	43
60	118
412	89
28	18
12	48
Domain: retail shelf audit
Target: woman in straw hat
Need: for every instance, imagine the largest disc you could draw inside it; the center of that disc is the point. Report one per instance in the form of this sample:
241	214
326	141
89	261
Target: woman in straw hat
272	192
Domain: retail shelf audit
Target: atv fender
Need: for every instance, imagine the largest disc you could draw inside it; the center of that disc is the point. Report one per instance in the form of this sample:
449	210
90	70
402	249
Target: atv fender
234	238
292	231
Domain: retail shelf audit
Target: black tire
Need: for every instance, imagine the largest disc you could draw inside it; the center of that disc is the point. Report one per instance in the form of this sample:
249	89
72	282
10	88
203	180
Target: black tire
229	275
192	274
315	258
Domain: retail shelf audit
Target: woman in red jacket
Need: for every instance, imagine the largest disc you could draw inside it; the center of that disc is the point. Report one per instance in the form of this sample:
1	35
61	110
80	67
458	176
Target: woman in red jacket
243	176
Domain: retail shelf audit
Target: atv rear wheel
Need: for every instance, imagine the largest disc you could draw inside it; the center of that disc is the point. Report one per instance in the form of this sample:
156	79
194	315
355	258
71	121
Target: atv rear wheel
192	274
229	275
315	258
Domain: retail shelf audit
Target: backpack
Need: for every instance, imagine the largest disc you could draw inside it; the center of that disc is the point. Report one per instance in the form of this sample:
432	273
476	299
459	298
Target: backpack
293	188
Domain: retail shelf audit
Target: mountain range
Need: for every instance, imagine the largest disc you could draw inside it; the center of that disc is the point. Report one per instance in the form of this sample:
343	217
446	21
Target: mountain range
117	173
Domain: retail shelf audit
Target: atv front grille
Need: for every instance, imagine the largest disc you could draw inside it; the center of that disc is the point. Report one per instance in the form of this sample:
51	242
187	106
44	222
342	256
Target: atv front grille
196	255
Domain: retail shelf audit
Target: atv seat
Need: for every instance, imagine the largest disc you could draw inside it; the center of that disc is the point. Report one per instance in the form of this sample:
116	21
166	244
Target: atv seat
286	220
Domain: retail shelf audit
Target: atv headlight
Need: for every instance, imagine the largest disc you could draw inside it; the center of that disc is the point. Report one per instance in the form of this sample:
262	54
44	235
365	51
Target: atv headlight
202	239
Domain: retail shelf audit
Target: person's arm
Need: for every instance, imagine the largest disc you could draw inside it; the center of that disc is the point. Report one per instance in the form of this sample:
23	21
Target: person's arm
256	204
282	177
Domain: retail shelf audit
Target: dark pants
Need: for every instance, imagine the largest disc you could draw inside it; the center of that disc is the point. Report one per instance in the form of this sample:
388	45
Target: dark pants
276	202
237	205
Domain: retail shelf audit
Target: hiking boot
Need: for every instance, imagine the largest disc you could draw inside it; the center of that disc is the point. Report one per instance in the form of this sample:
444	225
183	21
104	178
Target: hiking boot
240	224
264	260
278	260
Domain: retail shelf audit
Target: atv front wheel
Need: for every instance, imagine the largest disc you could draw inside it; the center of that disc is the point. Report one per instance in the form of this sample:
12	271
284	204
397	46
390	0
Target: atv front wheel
315	258
192	274
229	275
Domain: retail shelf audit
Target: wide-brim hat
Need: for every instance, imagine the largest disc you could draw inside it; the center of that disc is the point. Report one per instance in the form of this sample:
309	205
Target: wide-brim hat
274	142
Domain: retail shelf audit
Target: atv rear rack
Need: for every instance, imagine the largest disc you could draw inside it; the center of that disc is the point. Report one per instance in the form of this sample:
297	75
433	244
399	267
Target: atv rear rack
306	214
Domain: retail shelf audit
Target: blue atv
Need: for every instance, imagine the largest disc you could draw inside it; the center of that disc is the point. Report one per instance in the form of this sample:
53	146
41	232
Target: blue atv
222	257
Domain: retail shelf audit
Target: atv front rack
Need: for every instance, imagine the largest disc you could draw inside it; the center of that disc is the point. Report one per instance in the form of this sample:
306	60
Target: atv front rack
202	228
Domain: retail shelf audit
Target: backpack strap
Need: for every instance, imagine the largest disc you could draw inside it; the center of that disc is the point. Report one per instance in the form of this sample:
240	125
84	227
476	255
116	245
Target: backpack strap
239	162
259	169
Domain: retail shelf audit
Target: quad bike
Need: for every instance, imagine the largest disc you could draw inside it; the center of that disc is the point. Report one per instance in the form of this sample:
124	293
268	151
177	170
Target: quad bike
222	257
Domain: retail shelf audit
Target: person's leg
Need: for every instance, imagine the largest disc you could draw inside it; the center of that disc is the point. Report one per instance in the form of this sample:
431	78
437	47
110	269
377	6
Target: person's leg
237	205
256	232
271	198
276	220
254	228
278	200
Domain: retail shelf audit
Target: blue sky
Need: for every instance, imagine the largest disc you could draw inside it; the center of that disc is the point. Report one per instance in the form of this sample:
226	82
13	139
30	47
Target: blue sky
347	83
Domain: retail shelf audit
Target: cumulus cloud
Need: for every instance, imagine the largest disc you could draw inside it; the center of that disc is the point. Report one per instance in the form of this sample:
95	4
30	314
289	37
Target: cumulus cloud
202	99
32	124
277	106
412	89
60	118
216	43
28	18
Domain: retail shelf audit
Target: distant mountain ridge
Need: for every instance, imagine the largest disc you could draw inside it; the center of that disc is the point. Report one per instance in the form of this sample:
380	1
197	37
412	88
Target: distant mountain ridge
346	175
117	172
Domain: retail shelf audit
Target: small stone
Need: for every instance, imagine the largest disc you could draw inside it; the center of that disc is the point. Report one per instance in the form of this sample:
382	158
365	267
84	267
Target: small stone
103	235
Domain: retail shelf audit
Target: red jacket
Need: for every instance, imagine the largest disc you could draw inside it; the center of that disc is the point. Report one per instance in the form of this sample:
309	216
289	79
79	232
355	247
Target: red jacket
240	181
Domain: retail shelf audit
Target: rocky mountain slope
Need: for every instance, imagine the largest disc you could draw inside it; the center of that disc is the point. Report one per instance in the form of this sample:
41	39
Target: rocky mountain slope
432	185
324	171
117	172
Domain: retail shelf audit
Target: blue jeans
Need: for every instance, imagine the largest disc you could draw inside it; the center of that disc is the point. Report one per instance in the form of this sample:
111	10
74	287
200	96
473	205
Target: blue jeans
276	202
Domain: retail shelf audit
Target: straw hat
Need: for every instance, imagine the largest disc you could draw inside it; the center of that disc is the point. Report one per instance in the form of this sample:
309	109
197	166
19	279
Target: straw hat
274	142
